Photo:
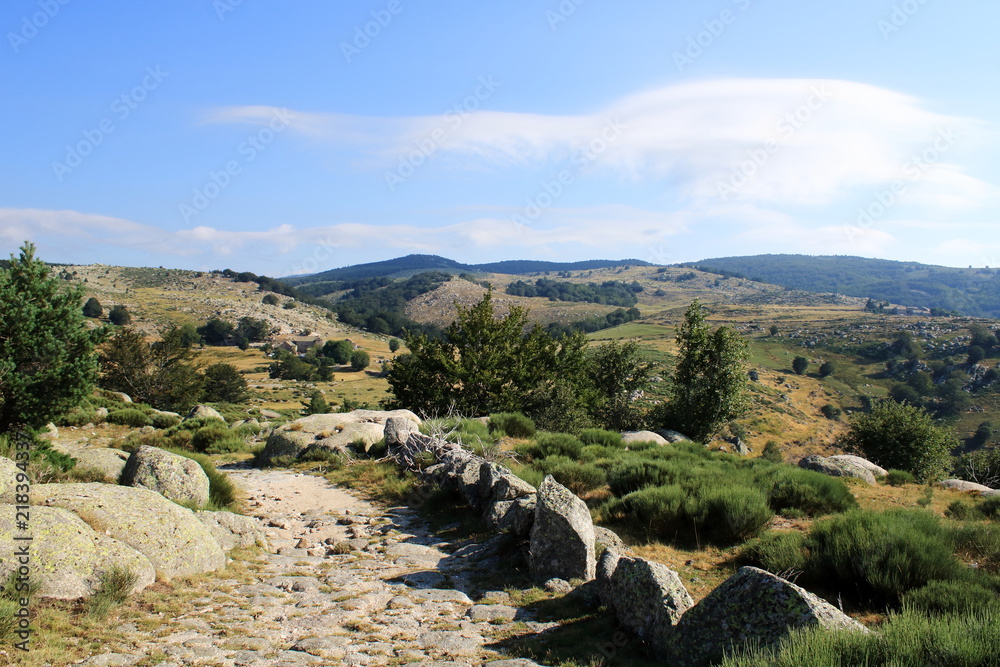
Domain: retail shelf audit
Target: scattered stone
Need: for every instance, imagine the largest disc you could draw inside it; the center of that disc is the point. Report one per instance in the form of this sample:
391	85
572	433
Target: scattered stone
562	538
629	437
751	606
491	613
175	477
557	586
204	411
837	468
605	538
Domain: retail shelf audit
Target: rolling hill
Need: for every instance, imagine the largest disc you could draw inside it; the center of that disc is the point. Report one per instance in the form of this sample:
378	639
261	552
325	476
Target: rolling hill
974	292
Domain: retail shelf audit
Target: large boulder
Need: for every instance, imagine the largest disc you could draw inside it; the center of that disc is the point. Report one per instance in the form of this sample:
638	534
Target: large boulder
175	477
170	536
562	537
648	598
672	436
751	607
837	468
204	412
233	530
67	556
606	566
334	432
8	480
108	461
629	437
605	538
968	487
497	483
467	479
876	470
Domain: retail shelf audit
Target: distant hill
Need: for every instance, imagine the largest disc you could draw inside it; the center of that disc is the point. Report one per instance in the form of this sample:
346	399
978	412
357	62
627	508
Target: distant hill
974	292
406	266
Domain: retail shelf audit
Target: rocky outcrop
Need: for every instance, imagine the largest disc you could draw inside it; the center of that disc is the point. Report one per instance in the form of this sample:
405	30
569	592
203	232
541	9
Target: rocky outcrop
562	538
398	429
837	468
67	555
752	606
876	470
170	536
498	484
204	412
108	461
8	480
629	437
969	487
515	516
337	433
232	531
175	477
648	598
605	538
672	436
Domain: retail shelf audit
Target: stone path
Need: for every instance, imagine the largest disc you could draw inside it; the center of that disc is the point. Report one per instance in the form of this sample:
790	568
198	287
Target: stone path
344	583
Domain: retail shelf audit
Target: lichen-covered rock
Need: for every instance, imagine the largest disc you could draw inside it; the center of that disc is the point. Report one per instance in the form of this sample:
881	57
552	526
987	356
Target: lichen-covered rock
67	556
233	530
605	538
968	487
837	468
515	516
876	470
109	461
606	565
562	538
335	432
467	478
398	429
176	477
204	411
8	480
170	536
648	598
751	606
628	437
497	484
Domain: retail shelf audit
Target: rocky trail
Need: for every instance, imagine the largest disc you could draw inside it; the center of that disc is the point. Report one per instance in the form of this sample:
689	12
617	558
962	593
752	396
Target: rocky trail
343	582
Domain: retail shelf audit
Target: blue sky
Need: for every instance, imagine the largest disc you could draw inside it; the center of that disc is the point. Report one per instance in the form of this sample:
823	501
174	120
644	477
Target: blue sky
285	138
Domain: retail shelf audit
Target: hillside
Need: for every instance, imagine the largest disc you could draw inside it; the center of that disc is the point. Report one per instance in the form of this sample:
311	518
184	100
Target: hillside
974	292
411	264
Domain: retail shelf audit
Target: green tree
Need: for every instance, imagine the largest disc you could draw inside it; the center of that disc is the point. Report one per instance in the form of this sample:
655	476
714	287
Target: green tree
709	386
486	364
188	335
223	383
119	316
618	374
93	308
901	436
317	405
287	366
393	344
160	373
359	360
826	369
774	329
252	330
338	350
270	300
976	354
800	365
216	331
47	360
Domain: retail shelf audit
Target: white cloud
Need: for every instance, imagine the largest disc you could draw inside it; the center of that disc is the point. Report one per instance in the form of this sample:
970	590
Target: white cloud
764	141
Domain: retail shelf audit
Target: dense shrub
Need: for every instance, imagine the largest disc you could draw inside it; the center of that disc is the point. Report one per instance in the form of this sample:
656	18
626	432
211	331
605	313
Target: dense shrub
577	477
951	597
163	421
556	444
77	417
216	439
960	510
512	424
806	490
990	508
736	513
128	417
899	478
599	436
635	473
658	510
780	552
882	554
